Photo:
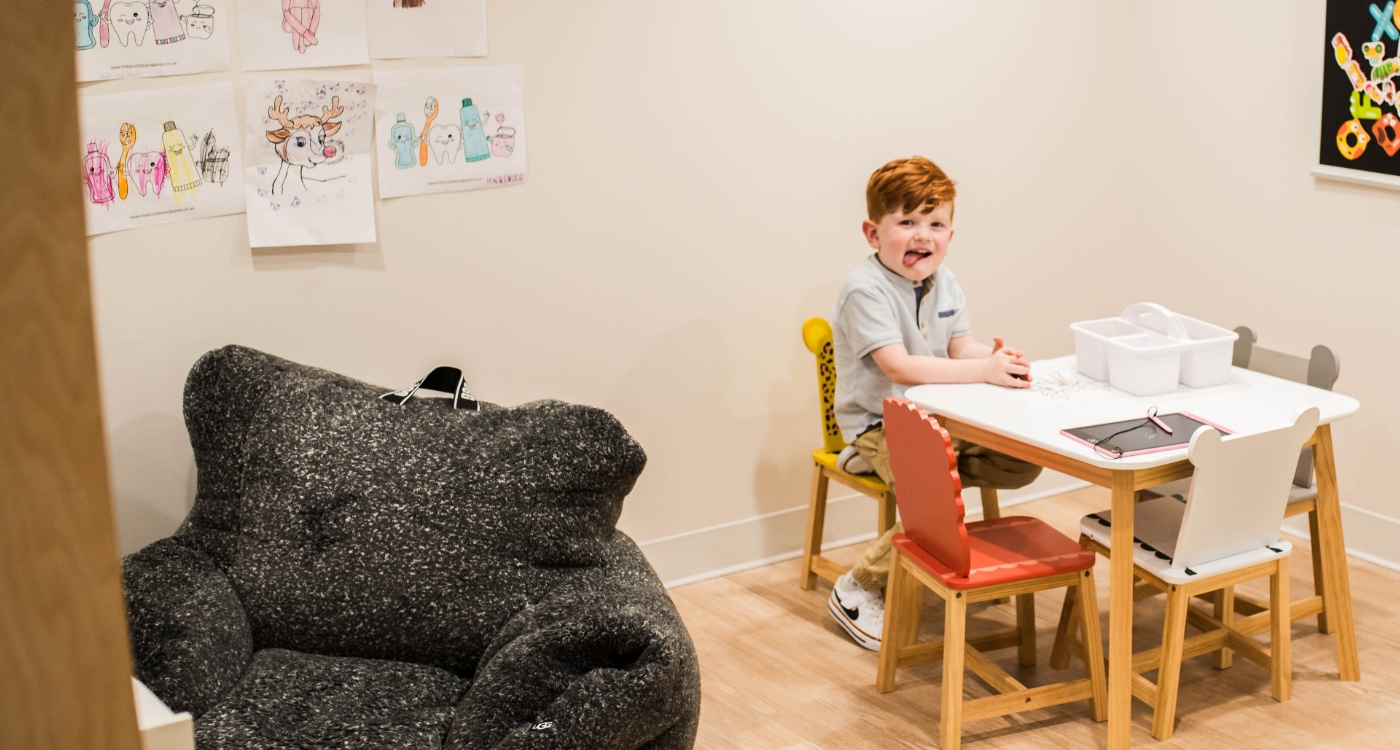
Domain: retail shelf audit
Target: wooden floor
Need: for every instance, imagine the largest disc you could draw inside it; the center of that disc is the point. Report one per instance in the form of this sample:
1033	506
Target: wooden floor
778	672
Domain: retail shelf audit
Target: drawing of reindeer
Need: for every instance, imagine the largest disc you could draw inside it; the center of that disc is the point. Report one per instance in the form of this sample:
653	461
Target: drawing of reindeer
301	141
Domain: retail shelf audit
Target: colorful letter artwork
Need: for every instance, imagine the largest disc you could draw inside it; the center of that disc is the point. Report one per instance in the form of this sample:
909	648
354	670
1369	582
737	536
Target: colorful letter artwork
308	176
153	38
448	130
282	34
1360	97
155	157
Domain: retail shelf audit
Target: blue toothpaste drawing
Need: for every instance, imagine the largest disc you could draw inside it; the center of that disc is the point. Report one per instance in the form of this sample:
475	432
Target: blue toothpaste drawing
474	146
402	141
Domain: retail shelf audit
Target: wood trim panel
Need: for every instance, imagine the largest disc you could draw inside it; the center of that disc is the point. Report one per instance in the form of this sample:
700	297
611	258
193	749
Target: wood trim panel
64	656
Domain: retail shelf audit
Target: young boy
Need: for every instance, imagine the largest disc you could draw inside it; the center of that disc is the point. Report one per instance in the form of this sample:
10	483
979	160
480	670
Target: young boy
901	320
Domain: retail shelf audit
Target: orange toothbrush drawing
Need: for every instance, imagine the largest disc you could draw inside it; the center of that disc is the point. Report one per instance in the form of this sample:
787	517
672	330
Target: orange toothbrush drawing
430	108
128	139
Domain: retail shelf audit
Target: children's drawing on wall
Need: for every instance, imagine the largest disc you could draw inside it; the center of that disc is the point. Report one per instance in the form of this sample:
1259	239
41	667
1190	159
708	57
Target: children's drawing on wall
418	28
308	176
153	38
470	133
280	34
169	166
301	18
1360	102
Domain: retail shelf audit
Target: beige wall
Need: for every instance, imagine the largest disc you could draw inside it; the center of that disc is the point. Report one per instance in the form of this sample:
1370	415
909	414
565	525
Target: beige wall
1232	228
695	192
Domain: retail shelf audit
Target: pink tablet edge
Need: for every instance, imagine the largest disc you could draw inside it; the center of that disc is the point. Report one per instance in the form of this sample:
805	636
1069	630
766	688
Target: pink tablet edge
1178	446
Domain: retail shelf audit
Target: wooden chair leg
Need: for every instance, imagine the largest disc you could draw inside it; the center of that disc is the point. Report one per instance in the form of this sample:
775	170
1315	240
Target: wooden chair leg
1059	654
1280	622
1319	577
954	640
887	511
904	603
1224	600
1169	673
816	522
1087	604
991	505
1025	623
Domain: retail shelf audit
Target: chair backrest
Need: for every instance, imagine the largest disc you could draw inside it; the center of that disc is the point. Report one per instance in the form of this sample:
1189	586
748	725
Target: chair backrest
1319	370
1239	490
930	491
816	334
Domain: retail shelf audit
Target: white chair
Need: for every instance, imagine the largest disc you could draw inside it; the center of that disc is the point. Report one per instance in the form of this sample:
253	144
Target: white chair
1319	369
1224	532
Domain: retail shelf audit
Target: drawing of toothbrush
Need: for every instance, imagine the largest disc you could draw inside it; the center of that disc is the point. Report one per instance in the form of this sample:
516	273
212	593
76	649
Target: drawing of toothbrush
128	139
430	109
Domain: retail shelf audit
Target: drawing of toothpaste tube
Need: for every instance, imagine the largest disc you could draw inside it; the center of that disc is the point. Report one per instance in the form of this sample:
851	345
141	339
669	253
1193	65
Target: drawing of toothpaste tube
183	173
474	146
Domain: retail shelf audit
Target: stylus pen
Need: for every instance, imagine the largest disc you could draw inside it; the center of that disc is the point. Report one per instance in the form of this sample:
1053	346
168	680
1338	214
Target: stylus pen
1152	415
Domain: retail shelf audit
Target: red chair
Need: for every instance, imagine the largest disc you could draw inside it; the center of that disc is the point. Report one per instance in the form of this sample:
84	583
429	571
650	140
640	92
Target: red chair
973	562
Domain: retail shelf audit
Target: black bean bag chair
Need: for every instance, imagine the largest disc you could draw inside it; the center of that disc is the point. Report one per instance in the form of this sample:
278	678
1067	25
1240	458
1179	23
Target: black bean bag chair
358	574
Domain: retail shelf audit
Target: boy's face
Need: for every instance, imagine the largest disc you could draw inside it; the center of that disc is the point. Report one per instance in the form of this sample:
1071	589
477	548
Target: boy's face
912	245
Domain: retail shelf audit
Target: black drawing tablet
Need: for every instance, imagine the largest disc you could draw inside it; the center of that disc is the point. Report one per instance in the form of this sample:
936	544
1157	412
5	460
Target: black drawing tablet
1140	435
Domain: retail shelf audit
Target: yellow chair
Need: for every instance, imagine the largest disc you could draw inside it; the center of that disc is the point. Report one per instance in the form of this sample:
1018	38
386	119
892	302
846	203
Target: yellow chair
816	334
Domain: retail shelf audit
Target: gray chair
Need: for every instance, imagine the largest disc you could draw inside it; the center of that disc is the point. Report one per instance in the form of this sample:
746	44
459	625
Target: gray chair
1319	370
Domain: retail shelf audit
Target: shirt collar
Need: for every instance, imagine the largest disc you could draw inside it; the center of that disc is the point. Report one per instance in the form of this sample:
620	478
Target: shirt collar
900	281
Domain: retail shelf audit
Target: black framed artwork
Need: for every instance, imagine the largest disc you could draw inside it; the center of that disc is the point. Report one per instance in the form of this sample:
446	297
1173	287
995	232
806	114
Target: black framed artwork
1359	136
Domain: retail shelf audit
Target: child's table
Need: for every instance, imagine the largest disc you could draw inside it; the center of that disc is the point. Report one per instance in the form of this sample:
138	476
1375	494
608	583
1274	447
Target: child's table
1026	423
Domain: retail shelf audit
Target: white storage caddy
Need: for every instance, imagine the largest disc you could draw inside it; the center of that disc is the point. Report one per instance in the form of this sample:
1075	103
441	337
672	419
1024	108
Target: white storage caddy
1148	349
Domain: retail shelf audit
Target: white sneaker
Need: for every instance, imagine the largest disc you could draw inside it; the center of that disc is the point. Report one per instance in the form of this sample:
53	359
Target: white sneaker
860	612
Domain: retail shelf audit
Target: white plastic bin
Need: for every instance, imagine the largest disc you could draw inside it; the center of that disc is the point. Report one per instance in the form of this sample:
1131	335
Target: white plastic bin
1155	349
1145	364
1091	339
1207	353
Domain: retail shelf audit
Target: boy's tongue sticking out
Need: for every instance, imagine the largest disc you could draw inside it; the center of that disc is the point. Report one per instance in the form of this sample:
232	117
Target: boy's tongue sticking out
914	256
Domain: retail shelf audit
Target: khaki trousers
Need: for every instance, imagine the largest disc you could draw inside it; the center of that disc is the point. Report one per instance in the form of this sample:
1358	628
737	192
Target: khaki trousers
977	466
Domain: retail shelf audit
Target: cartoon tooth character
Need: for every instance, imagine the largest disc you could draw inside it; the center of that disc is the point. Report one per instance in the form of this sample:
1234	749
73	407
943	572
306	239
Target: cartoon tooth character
85	21
129	22
97	173
402	142
445	142
199	24
147	168
165	19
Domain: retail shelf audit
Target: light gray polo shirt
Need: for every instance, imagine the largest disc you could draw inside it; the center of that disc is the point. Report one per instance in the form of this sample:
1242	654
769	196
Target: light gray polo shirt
876	308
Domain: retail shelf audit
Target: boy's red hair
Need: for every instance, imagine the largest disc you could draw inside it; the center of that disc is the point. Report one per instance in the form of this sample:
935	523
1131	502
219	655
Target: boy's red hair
913	184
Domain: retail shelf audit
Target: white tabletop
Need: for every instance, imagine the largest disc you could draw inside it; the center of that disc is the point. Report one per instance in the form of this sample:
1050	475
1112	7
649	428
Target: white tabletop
1250	402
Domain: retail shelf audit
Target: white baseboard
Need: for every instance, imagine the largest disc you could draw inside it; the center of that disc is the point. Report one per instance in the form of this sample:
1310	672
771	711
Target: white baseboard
1370	536
719	550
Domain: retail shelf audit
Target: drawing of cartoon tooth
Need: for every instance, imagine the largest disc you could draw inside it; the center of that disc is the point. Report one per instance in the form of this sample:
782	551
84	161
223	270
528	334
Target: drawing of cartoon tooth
165	19
85	21
199	24
129	22
97	172
147	168
445	142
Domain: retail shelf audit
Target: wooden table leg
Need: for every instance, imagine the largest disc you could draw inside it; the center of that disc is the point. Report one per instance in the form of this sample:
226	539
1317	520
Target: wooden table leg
1120	615
1336	590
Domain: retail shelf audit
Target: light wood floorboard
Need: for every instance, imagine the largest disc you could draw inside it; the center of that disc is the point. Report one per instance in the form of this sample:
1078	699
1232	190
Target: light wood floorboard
779	674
